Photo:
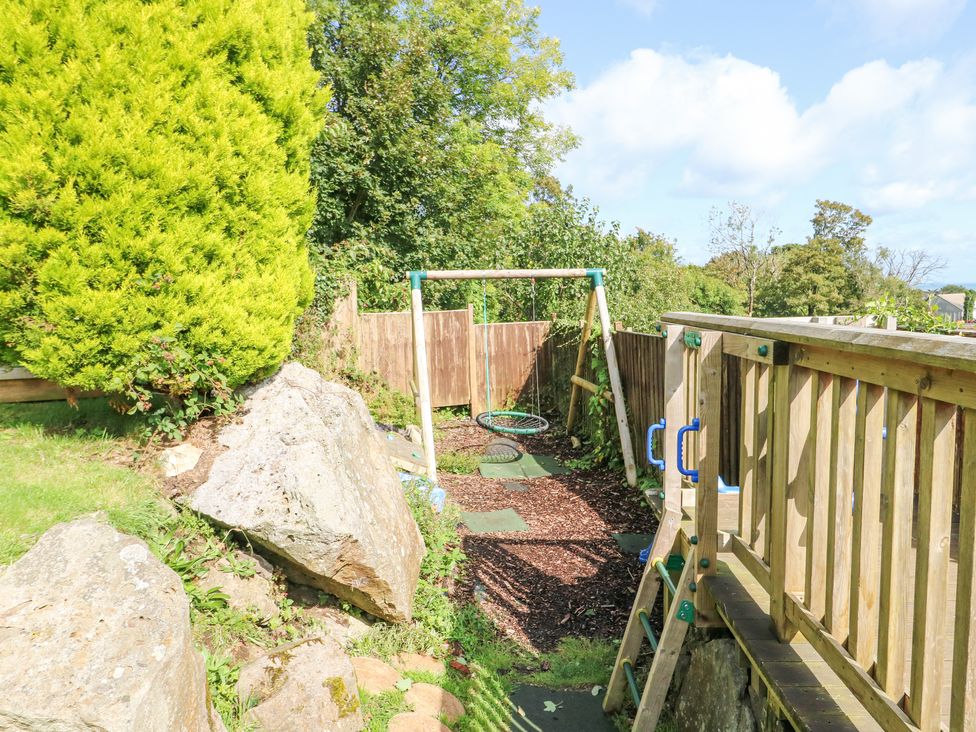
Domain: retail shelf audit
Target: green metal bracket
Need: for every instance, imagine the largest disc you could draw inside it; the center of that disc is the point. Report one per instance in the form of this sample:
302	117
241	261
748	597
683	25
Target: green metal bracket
692	339
686	611
596	276
416	277
675	563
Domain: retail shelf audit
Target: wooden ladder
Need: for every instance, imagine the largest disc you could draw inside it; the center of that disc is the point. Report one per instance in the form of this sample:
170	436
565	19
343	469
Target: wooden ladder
679	616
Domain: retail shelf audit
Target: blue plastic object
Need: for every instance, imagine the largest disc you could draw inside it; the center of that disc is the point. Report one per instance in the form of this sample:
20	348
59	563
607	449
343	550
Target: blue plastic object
435	494
723	488
659	464
695	426
645	554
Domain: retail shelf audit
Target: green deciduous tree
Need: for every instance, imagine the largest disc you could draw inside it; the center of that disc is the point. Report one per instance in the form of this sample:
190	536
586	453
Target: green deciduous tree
711	294
435	136
153	185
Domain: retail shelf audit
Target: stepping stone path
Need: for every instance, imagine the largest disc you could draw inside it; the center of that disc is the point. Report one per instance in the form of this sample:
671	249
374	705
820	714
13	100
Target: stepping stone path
419	663
375	676
414	722
435	702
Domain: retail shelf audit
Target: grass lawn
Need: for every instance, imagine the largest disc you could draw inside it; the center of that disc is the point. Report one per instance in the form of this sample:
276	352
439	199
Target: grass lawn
55	467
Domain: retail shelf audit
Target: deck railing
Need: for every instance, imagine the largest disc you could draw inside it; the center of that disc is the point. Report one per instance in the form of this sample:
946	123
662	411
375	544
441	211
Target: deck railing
852	441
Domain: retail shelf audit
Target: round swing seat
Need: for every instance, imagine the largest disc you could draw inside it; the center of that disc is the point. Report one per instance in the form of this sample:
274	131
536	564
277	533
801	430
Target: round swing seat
513	423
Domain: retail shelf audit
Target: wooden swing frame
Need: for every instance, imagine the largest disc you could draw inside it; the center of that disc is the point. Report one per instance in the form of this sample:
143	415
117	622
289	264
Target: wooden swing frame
597	303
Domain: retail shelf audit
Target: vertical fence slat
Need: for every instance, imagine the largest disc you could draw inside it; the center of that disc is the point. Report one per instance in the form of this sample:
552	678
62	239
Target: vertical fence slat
747	450
709	397
963	709
866	538
937	445
839	509
760	498
792	461
896	513
815	592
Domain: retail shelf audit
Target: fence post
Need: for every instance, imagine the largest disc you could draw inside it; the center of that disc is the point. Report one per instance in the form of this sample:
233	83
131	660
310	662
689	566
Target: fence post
674	413
706	494
474	393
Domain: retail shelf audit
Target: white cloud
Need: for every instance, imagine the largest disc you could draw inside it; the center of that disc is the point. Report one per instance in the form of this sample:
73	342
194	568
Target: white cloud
727	127
897	21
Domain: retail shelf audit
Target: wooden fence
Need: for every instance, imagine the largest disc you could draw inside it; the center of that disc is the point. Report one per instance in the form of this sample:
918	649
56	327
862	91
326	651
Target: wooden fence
853	442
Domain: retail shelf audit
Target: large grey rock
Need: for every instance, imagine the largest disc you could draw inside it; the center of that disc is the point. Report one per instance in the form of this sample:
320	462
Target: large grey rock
95	635
713	696
306	477
307	685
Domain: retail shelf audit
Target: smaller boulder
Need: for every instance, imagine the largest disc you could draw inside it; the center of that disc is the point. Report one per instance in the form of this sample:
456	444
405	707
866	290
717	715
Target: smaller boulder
375	676
415	722
252	594
435	702
309	684
180	459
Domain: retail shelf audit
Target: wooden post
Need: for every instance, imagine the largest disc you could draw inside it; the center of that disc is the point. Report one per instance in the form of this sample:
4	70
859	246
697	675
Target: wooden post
619	405
422	377
575	393
706	495
474	393
674	412
747	449
963	708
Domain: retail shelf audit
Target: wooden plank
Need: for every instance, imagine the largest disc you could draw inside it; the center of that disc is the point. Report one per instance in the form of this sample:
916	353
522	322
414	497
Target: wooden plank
760	502
896	514
963	708
474	395
619	406
882	708
815	592
668	650
647	593
33	389
585	329
937	443
747	451
674	412
752	561
706	497
792	474
866	538
949	352
758	350
839	518
591	387
953	386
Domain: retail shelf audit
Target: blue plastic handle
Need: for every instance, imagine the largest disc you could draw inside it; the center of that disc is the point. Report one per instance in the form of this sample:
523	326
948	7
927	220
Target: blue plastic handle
650	444
693	427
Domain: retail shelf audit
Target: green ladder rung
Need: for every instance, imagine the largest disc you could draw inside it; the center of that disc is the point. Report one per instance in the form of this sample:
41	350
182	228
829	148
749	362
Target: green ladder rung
648	630
662	570
632	682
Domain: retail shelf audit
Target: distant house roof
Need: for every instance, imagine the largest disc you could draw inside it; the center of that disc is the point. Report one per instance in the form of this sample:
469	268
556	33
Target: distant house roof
955	298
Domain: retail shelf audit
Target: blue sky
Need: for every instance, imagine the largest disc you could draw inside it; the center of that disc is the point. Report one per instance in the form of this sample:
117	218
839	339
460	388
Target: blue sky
683	106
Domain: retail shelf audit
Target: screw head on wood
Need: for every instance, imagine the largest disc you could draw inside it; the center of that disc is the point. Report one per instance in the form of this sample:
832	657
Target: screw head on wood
693	586
694	540
704	563
763	350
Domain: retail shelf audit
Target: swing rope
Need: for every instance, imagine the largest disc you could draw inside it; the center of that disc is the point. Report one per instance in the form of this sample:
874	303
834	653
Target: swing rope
508	421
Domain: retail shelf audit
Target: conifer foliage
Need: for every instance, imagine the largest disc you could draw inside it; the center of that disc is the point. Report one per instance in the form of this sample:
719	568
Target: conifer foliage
153	186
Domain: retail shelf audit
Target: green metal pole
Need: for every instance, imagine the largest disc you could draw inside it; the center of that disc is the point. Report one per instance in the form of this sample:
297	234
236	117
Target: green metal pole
665	577
648	630
632	682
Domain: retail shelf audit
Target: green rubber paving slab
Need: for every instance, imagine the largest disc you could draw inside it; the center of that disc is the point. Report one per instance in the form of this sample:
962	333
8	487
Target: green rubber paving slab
491	522
633	543
527	466
576	711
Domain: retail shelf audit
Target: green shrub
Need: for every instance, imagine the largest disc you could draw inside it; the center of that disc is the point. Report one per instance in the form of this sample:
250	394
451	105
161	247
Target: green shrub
153	184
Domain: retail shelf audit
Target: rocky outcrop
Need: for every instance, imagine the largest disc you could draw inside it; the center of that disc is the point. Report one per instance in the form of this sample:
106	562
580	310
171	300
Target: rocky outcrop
307	685
306	477
714	673
95	635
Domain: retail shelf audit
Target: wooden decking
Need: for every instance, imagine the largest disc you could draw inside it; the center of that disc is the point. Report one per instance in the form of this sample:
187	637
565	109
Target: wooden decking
805	689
